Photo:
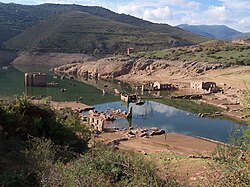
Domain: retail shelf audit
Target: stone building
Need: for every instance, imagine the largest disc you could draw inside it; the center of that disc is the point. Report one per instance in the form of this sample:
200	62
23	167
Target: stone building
159	86
35	79
128	98
207	87
96	120
130	51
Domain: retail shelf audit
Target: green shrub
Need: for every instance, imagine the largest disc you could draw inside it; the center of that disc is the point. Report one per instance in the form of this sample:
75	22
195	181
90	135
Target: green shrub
104	166
234	158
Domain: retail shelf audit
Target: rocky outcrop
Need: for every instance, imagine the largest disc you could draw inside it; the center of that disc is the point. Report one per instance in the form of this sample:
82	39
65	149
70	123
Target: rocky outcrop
117	66
108	67
245	41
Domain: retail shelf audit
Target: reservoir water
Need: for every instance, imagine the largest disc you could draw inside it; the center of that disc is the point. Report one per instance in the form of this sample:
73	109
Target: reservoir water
154	113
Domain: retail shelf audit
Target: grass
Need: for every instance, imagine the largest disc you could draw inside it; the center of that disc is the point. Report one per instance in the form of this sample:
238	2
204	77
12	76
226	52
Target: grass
83	29
213	52
189	105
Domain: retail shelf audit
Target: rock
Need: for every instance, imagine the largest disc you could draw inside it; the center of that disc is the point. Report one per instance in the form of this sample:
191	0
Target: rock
122	139
199	70
144	130
154	133
193	178
154	129
144	153
131	133
113	143
144	134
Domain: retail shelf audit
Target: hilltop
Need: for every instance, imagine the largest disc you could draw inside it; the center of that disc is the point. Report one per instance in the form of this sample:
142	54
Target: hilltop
85	29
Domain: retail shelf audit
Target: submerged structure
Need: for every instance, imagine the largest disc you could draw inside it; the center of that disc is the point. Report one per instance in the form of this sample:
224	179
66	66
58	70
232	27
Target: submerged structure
35	79
128	98
96	120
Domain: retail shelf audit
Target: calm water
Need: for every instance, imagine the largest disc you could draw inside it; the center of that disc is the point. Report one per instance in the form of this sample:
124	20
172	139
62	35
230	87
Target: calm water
12	83
151	114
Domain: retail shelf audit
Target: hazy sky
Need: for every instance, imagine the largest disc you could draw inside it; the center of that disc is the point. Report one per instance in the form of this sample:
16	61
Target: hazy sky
233	13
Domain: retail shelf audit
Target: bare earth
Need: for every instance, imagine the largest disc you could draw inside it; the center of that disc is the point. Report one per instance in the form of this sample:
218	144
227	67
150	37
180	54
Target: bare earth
176	144
170	154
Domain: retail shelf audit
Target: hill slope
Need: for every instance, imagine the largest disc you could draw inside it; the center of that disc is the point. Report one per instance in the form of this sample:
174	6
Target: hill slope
82	32
93	28
212	31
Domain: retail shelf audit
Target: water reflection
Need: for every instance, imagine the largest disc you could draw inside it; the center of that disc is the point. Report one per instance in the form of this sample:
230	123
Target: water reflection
153	114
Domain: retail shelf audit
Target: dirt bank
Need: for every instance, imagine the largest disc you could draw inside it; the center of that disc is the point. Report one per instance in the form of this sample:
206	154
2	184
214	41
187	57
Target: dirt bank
139	70
172	155
175	144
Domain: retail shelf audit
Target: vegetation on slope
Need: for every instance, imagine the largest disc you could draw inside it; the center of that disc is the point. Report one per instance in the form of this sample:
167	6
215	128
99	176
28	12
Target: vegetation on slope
85	33
211	52
234	159
41	147
18	18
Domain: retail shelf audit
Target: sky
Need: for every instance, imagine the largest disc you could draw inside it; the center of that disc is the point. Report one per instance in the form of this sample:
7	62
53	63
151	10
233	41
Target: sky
233	13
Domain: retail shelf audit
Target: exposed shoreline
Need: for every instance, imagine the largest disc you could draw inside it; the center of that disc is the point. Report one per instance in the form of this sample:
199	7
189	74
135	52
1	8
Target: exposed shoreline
178	144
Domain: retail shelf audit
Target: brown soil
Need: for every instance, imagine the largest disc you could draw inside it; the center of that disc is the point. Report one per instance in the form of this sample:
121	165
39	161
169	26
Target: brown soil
171	153
176	144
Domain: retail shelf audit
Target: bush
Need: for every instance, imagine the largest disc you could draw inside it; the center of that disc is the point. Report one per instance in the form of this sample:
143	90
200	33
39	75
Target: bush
47	152
104	166
234	158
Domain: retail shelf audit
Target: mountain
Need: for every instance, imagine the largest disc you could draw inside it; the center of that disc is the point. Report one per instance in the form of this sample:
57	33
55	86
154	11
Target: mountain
212	31
242	36
75	28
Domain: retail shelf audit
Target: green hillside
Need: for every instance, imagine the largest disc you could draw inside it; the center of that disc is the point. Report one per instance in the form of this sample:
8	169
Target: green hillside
74	28
210	52
86	33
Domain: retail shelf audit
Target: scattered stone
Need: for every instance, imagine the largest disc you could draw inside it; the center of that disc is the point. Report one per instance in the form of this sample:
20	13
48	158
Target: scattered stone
131	133
154	133
201	115
144	153
154	129
144	130
144	134
200	156
199	70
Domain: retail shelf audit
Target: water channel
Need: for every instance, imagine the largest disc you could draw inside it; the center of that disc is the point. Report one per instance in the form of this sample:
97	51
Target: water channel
154	113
